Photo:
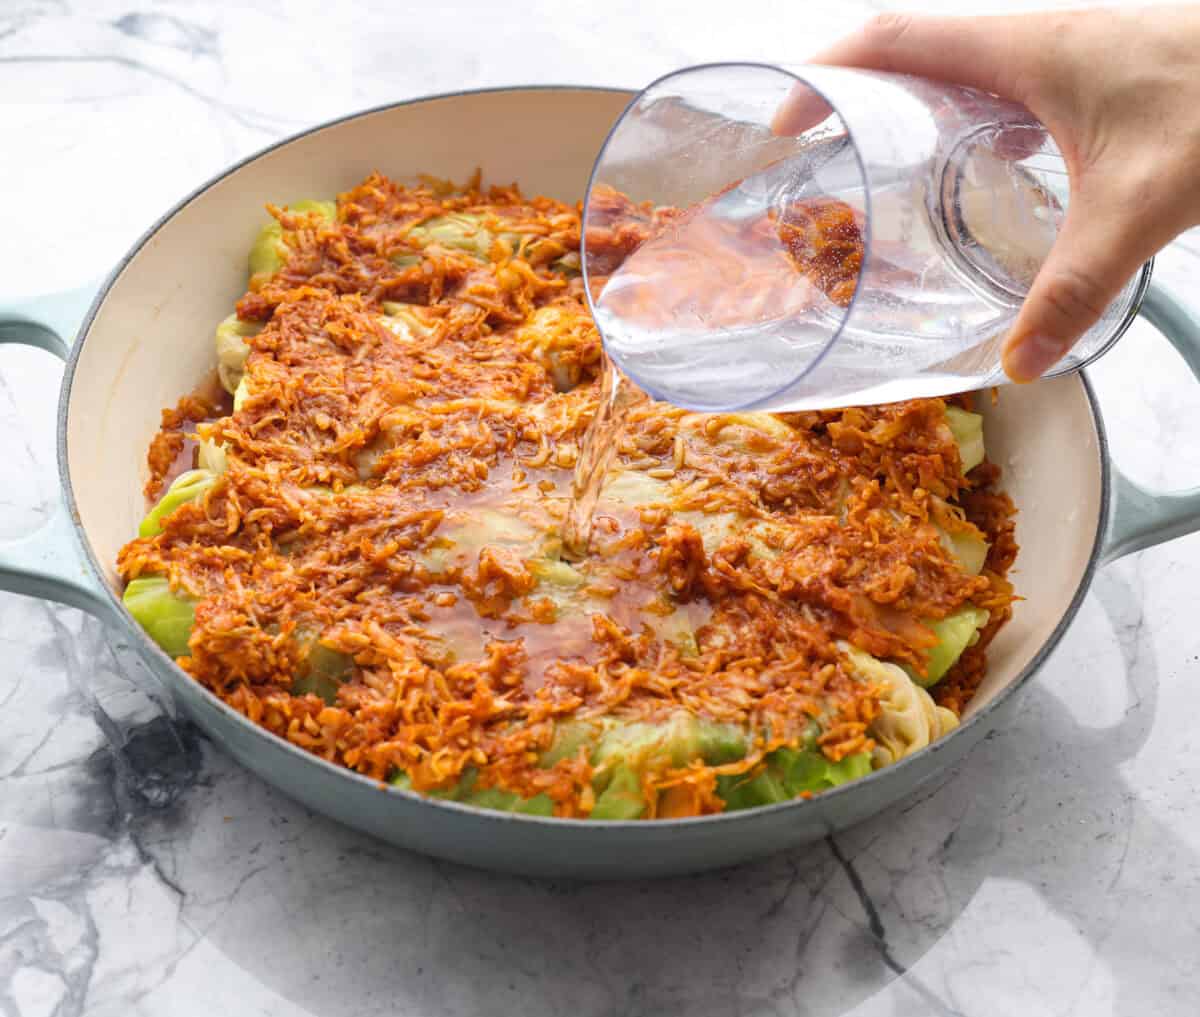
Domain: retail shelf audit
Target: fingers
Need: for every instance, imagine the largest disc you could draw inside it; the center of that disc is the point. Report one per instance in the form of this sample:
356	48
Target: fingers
966	51
801	110
1101	245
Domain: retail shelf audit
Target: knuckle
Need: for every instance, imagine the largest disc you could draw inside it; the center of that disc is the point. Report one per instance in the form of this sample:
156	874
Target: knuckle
886	29
1075	295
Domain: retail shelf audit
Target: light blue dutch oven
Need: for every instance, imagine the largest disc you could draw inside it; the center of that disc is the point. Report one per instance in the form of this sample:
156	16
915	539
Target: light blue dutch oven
144	338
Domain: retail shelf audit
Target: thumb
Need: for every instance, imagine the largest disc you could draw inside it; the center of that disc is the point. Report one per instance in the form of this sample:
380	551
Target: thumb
1098	250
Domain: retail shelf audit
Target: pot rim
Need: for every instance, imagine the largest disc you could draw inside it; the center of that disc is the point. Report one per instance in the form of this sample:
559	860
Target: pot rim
157	658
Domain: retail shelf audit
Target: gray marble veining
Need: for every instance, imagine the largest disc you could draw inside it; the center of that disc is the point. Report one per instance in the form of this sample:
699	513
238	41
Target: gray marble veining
143	873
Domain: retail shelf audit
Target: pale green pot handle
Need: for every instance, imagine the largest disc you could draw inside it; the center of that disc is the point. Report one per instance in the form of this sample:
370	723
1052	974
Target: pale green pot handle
49	563
1139	517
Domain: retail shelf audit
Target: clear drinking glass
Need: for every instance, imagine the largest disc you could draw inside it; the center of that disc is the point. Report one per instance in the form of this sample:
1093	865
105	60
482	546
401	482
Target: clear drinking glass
878	254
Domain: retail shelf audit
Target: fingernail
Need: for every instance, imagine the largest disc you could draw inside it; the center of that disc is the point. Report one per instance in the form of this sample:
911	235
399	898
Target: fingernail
1032	356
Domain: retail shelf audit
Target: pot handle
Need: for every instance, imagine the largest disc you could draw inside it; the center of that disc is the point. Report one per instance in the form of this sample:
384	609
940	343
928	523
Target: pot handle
1139	517
49	563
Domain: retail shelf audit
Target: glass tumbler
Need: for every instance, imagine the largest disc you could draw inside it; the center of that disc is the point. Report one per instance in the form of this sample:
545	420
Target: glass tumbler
879	252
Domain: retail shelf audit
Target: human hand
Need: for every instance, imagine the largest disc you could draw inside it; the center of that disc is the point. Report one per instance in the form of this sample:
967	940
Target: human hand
1119	90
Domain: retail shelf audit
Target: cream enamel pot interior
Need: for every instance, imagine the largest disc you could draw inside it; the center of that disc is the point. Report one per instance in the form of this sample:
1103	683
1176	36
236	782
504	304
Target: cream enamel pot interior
147	339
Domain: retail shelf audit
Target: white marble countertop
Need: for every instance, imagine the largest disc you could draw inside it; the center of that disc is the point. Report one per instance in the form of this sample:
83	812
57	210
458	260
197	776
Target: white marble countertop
1056	872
